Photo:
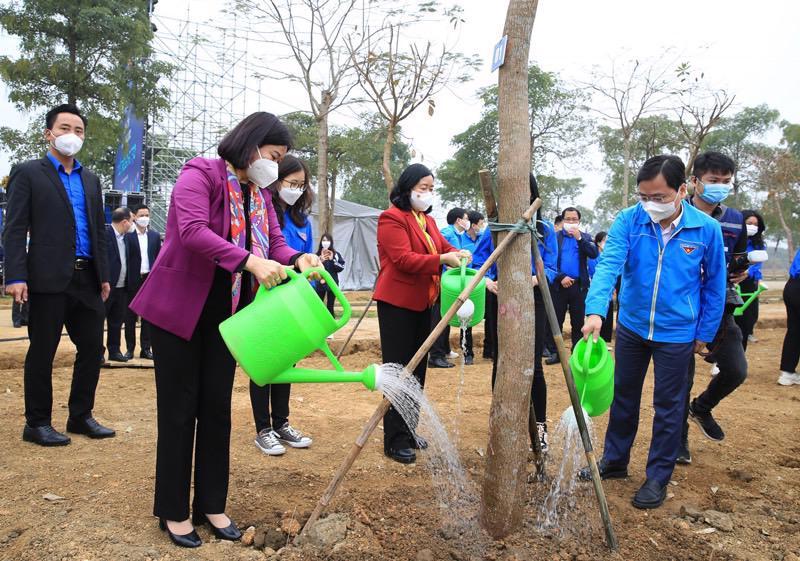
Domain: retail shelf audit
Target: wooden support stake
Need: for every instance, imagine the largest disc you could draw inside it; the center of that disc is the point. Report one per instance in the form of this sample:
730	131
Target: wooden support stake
421	353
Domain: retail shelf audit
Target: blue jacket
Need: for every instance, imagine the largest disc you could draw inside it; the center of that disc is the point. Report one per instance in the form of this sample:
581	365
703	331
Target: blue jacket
549	250
298	238
673	293
754	272
794	270
451	235
587	249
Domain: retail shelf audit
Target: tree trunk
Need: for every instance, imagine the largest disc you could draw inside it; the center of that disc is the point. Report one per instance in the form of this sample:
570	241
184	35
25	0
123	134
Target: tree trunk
504	485
334	178
787	231
322	163
387	156
695	148
626	172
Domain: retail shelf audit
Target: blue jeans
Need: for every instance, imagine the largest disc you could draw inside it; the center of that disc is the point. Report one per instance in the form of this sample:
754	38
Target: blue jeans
671	362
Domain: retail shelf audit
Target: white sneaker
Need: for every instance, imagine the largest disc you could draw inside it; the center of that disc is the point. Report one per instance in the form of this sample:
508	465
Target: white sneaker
267	442
541	428
452	354
293	437
752	338
714	369
329	337
789	378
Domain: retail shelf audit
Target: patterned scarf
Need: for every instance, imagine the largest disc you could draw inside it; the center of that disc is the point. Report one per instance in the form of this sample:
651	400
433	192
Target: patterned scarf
259	228
433	293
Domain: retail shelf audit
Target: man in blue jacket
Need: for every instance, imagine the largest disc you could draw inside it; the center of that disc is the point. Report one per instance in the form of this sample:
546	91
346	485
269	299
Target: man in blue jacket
672	262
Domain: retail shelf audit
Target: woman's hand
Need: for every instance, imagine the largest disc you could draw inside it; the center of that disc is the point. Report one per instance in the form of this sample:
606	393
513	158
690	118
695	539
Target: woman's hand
452	259
465	254
327	255
309	261
266	271
491	286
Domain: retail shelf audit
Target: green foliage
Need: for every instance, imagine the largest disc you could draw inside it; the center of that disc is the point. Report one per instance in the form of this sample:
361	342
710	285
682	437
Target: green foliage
355	157
557	193
558	130
85	52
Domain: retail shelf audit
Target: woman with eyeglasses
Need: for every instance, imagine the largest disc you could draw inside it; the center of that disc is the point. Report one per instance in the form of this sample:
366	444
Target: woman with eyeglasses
292	200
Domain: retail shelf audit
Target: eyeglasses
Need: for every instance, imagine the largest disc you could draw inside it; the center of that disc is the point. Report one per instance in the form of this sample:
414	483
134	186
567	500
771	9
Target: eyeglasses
654	198
294	184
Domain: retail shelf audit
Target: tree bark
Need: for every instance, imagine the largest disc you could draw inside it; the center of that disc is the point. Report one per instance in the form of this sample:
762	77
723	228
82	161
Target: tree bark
787	231
504	485
626	172
323	203
391	129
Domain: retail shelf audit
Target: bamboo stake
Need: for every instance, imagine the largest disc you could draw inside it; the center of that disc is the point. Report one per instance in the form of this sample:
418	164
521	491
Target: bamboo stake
611	538
421	353
363	314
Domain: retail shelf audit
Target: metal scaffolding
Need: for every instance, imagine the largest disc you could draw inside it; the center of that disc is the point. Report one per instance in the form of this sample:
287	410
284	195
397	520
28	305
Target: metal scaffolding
207	95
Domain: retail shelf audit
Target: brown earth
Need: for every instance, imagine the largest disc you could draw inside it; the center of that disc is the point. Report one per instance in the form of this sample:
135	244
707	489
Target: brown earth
754	475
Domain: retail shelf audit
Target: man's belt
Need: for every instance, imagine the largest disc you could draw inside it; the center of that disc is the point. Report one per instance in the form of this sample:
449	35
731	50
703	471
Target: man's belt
82	264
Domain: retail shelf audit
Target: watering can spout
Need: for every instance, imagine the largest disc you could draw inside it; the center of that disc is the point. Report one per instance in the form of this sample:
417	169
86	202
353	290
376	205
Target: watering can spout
370	376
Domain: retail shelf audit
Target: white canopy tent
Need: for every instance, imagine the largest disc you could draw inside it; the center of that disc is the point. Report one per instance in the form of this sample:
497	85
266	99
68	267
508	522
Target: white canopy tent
355	236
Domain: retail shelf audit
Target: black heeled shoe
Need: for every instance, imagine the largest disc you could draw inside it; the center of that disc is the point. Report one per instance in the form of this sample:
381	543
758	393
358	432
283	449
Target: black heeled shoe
187	540
230	533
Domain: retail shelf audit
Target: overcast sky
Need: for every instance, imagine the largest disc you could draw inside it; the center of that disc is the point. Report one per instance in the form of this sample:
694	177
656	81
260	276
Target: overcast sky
751	49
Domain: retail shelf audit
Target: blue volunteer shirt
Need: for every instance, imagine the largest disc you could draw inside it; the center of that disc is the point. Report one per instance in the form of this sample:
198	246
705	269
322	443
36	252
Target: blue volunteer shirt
73	183
794	271
570	258
468	243
450	233
299	238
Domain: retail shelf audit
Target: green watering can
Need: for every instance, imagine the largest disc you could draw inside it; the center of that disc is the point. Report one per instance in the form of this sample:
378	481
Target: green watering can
453	282
749	298
283	325
593	370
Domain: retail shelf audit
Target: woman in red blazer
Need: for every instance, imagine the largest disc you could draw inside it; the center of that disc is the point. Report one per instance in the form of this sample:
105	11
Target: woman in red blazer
412	252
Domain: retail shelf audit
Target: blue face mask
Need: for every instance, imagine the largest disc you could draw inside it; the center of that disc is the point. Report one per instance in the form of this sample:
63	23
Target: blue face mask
715	193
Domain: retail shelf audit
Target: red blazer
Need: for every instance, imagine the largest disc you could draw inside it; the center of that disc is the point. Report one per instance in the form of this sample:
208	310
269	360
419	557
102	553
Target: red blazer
407	269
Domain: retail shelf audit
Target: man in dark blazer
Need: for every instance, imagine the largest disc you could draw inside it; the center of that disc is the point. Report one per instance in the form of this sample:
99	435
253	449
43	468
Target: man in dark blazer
144	245
118	266
64	274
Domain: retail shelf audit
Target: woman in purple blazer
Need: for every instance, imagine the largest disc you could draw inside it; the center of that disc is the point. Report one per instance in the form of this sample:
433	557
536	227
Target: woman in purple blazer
222	240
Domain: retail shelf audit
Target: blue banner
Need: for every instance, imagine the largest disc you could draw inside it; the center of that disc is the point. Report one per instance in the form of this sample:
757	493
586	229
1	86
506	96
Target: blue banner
128	165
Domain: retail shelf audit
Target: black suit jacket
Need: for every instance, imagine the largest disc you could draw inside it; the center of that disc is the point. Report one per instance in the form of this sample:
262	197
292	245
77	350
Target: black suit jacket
114	260
135	256
39	203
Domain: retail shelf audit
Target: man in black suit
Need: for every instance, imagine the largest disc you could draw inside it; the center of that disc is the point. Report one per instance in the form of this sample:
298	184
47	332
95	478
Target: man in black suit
144	245
64	274
118	265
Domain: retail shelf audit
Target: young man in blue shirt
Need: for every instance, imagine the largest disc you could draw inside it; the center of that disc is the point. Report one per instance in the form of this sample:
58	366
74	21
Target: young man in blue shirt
672	262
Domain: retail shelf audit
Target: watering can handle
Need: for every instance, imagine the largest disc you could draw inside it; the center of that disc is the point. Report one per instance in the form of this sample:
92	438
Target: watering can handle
587	355
346	310
463	272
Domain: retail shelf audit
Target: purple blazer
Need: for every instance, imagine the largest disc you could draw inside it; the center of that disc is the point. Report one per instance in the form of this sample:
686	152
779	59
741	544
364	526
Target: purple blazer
199	222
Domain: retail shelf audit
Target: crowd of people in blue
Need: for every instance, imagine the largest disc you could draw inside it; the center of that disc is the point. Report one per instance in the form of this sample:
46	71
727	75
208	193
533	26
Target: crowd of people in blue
668	269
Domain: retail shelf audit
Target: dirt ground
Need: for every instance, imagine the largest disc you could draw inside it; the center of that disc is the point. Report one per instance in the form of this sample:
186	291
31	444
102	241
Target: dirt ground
105	487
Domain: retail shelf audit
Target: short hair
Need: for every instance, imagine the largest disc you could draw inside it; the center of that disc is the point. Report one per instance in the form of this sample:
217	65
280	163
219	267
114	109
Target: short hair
667	165
712	161
558	219
454	214
401	193
570	209
139	207
600	236
120	214
474	216
52	115
298	212
252	132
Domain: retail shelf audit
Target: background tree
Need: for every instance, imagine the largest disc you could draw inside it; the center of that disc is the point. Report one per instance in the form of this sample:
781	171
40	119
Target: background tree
558	193
95	54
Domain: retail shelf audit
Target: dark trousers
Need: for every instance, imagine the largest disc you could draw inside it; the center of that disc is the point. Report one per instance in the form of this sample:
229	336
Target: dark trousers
326	296
727	351
402	333
130	325
116	305
441	347
747	321
80	309
260	399
670	362
574	300
607	329
791	342
19	314
194	382
490	326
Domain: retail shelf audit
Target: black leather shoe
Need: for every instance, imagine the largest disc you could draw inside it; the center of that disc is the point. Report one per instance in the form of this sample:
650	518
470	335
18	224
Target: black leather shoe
419	443
607	471
186	540
440	363
89	427
128	355
230	533
44	436
117	357
552	359
147	353
650	495
469	361
401	455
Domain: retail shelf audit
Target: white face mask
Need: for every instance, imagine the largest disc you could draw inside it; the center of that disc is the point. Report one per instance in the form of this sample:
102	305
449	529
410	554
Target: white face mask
263	172
421	201
143	221
68	144
571	227
289	195
751	230
326	244
659	211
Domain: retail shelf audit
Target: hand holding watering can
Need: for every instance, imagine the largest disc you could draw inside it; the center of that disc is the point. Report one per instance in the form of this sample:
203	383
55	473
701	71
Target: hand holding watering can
270	273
